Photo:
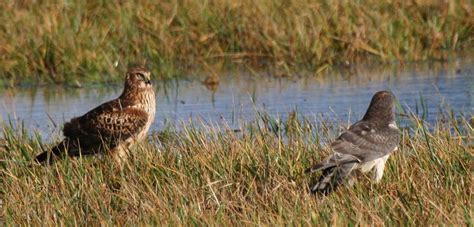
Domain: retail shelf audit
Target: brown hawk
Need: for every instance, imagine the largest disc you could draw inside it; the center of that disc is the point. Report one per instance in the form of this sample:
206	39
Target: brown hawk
113	126
365	146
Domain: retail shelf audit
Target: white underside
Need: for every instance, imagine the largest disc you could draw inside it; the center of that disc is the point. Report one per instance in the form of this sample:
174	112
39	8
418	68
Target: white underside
377	164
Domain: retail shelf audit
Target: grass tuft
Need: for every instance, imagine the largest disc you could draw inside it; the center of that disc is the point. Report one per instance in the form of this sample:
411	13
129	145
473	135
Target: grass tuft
203	175
63	41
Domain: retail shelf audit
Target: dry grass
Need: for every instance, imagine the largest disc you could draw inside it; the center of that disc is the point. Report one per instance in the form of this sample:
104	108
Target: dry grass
210	175
47	42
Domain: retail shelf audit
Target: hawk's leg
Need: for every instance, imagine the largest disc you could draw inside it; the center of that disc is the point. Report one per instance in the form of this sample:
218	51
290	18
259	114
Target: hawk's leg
119	154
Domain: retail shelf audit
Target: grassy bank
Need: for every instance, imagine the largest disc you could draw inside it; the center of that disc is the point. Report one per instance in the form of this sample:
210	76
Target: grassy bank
46	42
254	177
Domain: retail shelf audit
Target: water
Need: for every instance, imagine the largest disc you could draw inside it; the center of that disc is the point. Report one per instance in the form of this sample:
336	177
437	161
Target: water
342	95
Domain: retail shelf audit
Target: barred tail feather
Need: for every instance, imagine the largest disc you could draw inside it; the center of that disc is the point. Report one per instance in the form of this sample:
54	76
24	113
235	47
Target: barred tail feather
331	178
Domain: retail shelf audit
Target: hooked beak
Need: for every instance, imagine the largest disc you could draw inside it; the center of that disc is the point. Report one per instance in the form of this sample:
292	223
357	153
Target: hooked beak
147	81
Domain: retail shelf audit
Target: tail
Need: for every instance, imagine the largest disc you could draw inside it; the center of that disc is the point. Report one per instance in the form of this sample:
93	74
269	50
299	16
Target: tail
331	179
335	173
49	156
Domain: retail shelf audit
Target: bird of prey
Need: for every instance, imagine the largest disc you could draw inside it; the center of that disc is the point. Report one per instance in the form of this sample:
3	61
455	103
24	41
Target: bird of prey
366	145
111	127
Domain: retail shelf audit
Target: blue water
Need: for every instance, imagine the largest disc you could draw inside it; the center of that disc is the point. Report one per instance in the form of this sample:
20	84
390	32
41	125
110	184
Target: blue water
341	95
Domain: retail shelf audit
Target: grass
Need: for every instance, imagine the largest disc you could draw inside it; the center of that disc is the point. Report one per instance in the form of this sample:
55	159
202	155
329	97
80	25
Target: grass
63	41
202	174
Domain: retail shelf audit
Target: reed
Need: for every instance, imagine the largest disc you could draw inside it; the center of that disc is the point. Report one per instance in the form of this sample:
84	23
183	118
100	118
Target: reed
63	41
202	174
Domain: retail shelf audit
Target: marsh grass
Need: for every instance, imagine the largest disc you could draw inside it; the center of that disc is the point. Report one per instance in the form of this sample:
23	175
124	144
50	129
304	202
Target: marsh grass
204	174
61	42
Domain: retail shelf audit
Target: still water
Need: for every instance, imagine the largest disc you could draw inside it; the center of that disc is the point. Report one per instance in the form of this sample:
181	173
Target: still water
341	95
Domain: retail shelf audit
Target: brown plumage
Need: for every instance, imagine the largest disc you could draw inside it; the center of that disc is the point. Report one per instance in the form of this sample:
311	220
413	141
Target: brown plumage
113	126
366	145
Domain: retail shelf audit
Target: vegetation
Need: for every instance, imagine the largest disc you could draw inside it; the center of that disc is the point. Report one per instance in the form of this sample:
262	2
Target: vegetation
64	41
210	174
203	174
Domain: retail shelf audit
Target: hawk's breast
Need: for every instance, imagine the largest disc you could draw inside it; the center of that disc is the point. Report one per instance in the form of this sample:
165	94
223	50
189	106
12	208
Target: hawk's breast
146	102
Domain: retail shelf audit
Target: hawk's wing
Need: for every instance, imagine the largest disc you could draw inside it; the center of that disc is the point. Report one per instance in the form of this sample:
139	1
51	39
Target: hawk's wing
110	122
361	143
367	143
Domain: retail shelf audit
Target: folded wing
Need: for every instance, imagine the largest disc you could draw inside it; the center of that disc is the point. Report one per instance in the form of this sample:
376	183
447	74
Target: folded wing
365	143
108	124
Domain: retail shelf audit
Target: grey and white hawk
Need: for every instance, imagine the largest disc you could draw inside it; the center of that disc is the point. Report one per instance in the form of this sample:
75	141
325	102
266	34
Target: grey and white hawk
113	126
366	145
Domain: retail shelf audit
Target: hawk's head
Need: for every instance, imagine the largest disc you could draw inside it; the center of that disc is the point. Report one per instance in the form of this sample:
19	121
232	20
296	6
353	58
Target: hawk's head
138	78
381	108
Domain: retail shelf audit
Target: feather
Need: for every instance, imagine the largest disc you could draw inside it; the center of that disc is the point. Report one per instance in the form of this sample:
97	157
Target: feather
111	124
365	144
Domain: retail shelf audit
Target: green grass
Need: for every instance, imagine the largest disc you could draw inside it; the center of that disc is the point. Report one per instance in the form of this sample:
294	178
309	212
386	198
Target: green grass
203	174
68	41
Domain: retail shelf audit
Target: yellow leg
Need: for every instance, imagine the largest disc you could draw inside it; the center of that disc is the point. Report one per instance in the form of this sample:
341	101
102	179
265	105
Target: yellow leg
119	155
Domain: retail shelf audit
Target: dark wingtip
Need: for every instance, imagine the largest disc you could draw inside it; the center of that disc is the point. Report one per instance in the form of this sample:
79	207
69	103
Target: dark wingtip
44	158
41	157
48	156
